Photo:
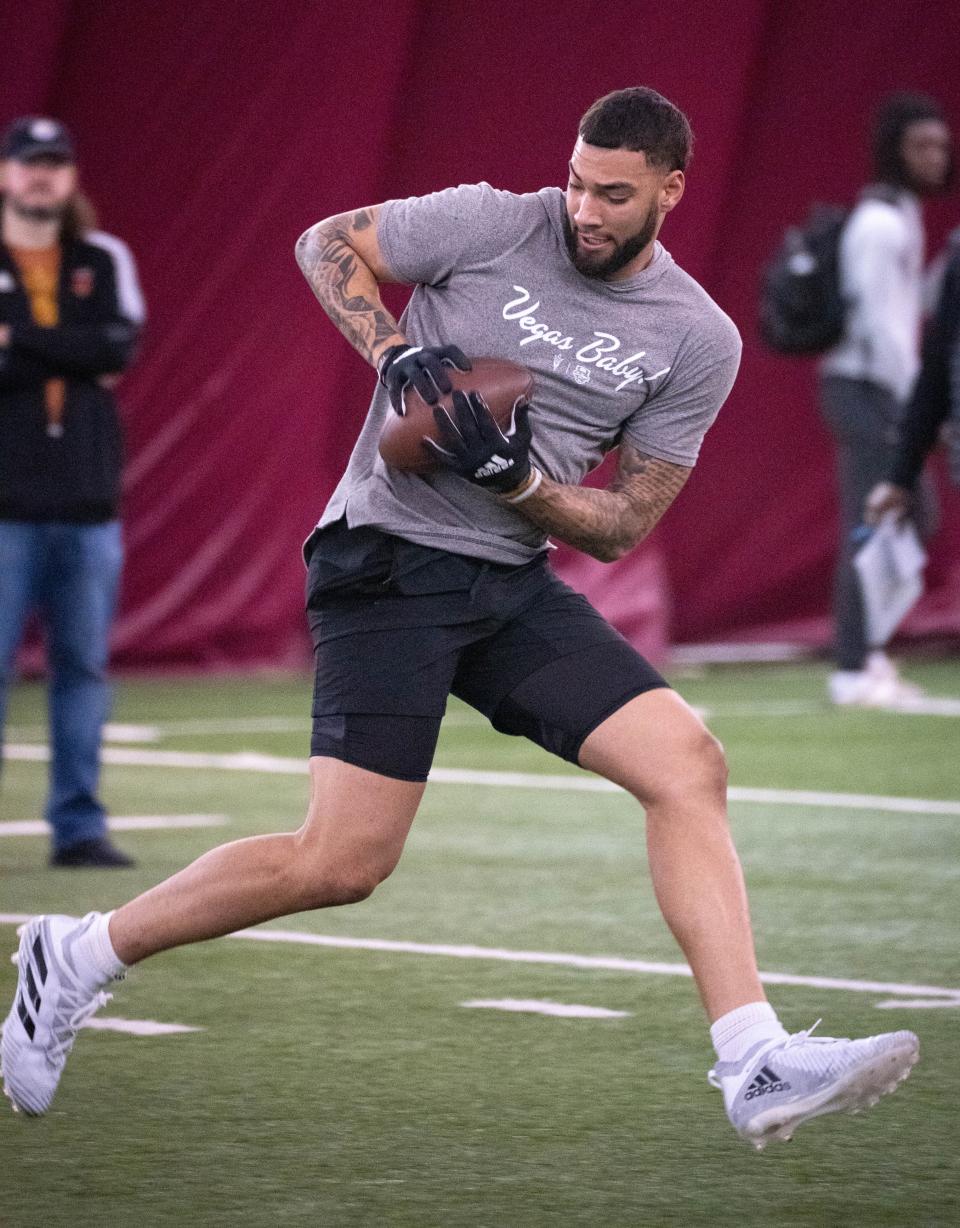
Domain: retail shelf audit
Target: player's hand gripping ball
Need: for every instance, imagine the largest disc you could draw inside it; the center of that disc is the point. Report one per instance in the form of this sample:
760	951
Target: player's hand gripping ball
501	384
424	368
475	447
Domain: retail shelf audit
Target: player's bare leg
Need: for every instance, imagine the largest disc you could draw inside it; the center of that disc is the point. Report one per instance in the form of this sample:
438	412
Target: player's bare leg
659	750
350	841
772	1082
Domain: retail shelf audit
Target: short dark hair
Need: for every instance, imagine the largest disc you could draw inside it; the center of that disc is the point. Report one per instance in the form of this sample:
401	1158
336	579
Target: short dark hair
894	116
640	119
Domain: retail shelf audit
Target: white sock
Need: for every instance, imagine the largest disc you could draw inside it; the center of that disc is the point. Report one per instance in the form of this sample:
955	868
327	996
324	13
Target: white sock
735	1033
93	951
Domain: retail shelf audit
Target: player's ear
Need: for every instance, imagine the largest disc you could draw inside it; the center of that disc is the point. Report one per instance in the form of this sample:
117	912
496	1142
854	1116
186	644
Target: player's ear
671	190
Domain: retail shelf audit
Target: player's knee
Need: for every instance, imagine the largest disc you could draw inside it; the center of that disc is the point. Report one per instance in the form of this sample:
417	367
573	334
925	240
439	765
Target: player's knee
334	880
358	882
696	775
713	761
347	889
705	765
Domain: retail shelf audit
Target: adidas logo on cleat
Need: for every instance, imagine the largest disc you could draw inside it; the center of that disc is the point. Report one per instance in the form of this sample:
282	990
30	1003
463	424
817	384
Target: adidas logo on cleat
765	1083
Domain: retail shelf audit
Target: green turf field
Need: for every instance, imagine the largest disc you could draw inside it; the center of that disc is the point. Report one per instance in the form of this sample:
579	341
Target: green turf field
336	1085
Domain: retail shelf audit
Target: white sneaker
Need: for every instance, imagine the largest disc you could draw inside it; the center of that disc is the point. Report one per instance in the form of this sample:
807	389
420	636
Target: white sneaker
882	668
879	685
51	1003
854	688
781	1084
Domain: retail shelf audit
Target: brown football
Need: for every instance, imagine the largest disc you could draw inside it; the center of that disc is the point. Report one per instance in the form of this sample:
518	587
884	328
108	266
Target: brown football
500	383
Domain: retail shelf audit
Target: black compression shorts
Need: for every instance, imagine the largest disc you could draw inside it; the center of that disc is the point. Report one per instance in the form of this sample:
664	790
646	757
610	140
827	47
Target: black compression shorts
398	627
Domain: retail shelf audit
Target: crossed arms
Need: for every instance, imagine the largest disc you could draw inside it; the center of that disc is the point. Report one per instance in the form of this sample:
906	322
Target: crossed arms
341	260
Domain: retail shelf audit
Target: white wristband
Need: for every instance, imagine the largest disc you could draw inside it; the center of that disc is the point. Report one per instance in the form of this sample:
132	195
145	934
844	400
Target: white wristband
529	490
411	349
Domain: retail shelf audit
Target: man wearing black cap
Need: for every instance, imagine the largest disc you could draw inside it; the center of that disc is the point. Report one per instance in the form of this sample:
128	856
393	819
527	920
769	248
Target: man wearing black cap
70	312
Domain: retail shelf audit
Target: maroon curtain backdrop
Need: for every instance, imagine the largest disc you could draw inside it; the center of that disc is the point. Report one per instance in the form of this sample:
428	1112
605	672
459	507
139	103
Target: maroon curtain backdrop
212	134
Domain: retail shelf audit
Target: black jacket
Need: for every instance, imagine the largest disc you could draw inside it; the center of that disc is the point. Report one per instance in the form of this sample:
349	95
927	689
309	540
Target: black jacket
75	476
930	402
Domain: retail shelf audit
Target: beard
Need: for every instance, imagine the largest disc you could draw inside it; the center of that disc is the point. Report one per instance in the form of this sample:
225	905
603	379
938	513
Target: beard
37	212
603	268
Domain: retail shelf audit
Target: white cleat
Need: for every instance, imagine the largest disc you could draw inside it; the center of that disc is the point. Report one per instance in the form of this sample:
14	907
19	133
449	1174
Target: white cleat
50	1004
781	1084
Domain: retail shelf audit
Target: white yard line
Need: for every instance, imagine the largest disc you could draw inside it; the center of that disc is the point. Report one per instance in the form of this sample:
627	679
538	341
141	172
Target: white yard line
239	761
115	732
763	707
917	1004
606	963
252	761
926	705
533	1006
227	724
134	732
137	1027
201	726
943	996
843	801
120	822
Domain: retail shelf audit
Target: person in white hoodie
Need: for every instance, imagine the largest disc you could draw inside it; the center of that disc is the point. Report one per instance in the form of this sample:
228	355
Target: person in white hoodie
867	377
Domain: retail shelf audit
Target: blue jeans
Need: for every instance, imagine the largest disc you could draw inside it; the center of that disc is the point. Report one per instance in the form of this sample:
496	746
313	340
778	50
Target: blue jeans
69	574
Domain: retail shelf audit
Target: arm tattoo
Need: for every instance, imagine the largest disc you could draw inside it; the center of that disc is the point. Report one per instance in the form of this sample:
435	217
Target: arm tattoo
345	287
608	523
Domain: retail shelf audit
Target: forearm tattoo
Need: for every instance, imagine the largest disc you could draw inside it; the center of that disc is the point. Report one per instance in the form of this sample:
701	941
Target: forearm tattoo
345	287
608	523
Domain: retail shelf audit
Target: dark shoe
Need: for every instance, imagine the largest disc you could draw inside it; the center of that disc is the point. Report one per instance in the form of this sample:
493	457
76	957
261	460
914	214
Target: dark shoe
96	853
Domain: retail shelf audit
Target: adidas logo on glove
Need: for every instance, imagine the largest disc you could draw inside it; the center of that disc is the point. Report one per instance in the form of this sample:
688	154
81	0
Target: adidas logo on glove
496	464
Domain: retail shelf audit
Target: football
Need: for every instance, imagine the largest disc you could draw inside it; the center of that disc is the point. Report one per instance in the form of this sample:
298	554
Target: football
500	383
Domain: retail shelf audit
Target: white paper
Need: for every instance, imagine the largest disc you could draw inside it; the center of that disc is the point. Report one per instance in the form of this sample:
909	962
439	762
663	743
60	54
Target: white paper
890	565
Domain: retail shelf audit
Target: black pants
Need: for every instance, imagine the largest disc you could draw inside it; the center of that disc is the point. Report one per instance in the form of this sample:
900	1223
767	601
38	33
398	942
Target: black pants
864	420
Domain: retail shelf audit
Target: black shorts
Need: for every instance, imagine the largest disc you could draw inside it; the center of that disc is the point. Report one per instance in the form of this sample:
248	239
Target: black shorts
398	627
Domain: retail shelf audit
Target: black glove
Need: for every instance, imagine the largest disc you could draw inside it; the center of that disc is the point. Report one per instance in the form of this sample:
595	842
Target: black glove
423	366
476	448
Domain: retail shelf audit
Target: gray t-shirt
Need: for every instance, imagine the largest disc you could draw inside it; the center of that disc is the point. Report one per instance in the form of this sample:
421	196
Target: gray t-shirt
650	359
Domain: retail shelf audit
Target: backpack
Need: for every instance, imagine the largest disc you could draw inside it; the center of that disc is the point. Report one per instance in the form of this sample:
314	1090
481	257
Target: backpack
802	309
